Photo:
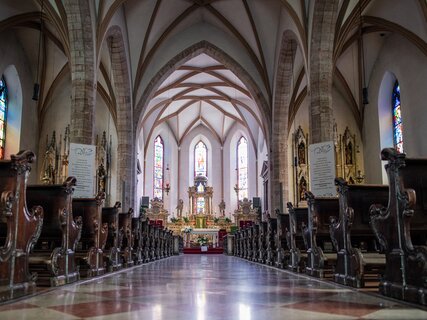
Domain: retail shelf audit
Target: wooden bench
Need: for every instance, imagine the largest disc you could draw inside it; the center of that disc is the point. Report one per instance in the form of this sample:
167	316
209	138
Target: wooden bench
53	256
271	241
137	249
357	253
282	248
316	235
297	249
89	252
262	242
112	255
146	240
126	240
400	225
248	251
19	228
255	242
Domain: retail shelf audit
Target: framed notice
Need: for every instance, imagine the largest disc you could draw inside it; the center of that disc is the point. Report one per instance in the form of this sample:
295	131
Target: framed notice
82	166
321	158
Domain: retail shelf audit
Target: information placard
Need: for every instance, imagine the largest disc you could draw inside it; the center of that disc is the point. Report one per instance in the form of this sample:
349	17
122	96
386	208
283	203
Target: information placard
82	166
321	158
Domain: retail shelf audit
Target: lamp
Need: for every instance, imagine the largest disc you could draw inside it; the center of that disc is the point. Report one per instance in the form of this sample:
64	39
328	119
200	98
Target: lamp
36	88
360	177
167	186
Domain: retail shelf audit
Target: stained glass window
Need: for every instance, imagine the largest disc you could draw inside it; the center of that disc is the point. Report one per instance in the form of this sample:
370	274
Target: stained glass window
200	159
158	167
397	118
3	115
242	168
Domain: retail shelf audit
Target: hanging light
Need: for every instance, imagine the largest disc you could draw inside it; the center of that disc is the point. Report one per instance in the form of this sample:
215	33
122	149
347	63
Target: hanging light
36	88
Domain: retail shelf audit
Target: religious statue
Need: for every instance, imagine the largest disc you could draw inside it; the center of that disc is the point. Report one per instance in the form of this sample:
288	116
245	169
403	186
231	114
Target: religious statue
302	189
101	174
301	153
179	208
222	208
349	153
49	162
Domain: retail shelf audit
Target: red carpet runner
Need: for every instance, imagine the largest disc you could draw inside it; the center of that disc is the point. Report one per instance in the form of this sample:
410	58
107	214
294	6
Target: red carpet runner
199	251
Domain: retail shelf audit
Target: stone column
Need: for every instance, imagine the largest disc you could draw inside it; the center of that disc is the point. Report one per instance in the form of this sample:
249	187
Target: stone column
321	70
83	75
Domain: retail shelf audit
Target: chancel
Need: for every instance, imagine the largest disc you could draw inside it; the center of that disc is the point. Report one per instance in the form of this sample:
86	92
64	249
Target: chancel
213	159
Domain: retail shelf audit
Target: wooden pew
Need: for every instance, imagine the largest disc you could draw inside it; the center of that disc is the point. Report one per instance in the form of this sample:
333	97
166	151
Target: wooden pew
89	252
316	234
248	243
282	248
126	240
112	255
53	256
271	241
146	240
352	236
19	228
402	223
238	247
255	242
137	240
262	243
297	249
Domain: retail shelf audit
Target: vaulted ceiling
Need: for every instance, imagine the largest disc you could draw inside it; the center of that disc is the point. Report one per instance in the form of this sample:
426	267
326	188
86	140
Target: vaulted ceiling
203	90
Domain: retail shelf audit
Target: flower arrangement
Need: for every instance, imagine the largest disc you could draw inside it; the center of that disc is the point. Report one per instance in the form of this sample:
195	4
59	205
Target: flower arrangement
187	229
175	220
202	240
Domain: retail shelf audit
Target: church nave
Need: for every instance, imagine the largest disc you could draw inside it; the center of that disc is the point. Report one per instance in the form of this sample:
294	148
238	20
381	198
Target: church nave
206	287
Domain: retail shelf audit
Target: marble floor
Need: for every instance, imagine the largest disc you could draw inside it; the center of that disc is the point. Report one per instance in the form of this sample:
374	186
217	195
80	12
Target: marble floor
206	287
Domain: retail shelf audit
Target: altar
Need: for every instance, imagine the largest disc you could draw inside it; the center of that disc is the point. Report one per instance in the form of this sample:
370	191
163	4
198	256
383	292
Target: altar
200	237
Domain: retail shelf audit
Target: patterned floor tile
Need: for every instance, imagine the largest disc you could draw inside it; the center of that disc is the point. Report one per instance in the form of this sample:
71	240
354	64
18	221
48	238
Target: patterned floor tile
201	287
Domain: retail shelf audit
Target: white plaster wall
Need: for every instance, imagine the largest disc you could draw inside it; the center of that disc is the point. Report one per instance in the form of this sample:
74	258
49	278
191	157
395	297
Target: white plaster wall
57	117
402	60
344	118
14	64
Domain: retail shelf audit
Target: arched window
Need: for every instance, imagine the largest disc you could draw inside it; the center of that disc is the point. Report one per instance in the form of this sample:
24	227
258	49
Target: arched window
397	118
242	168
158	167
200	159
3	115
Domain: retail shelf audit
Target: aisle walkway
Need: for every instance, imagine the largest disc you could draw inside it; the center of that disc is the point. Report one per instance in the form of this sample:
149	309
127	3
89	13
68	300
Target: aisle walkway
206	288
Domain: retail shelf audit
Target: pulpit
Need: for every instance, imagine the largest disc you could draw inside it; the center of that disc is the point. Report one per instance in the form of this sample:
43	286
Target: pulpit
156	213
245	214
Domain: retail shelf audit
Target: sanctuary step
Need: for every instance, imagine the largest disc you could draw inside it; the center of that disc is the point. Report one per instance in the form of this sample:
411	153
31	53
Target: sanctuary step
198	250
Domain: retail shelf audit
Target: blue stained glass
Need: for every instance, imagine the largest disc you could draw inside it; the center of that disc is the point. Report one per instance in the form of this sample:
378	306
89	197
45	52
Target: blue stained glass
397	118
158	167
3	115
242	168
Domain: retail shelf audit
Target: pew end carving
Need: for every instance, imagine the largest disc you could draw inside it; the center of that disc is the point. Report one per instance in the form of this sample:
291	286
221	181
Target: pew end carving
89	252
53	257
405	276
20	228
